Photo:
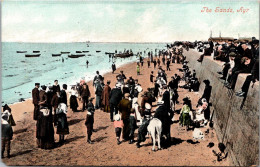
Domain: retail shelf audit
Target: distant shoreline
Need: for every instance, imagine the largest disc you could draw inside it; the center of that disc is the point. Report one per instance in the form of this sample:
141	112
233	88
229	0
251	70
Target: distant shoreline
87	42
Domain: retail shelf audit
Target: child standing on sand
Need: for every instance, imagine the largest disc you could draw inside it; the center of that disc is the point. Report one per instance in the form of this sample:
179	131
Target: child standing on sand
90	119
118	124
138	69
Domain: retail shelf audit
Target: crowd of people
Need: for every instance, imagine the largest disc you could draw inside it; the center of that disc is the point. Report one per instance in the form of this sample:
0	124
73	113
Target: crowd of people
238	57
51	103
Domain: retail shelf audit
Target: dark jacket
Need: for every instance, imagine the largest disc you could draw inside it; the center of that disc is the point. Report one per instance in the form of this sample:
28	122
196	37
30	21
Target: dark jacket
247	53
35	96
43	98
55	101
7	132
255	70
63	97
85	92
124	107
99	77
56	88
99	89
115	96
166	99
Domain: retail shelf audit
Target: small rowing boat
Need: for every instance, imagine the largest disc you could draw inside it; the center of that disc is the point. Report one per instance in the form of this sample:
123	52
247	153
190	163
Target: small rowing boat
64	52
76	55
124	55
55	55
36	51
108	53
78	52
86	51
21	51
32	55
98	51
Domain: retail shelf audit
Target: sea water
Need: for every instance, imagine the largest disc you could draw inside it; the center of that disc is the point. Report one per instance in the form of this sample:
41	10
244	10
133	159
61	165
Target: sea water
19	73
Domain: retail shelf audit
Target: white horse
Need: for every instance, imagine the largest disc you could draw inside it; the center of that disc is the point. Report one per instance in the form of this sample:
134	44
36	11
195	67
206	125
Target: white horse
155	128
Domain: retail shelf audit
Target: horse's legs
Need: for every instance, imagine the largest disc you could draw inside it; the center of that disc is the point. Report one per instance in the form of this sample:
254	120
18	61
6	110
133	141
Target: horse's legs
153	138
159	138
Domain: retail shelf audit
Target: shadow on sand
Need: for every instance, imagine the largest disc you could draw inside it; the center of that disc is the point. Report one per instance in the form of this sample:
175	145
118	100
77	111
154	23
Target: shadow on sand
74	121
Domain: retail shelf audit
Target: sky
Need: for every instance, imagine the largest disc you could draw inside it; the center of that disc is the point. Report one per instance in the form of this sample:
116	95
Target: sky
125	21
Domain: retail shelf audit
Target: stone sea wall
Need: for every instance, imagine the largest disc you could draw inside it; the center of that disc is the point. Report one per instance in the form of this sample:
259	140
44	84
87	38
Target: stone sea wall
236	119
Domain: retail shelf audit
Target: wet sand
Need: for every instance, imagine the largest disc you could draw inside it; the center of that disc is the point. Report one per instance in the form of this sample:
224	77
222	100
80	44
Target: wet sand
105	151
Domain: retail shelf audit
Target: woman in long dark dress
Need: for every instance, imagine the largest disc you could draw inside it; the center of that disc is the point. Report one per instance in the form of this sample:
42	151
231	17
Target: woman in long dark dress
73	100
62	127
45	130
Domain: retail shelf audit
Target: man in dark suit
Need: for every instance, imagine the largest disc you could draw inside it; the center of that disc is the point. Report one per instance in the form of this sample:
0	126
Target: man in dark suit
56	87
97	78
36	99
115	97
63	94
85	94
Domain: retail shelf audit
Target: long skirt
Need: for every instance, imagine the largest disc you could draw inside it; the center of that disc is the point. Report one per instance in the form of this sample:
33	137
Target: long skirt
185	119
73	103
45	131
62	127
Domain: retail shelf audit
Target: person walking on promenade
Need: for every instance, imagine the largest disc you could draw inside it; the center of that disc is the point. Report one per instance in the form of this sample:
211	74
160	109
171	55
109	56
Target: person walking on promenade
7	135
36	99
114	98
90	119
118	124
105	96
85	94
125	108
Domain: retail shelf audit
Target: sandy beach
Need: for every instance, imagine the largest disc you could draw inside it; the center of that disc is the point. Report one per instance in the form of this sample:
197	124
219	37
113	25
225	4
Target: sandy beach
105	151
